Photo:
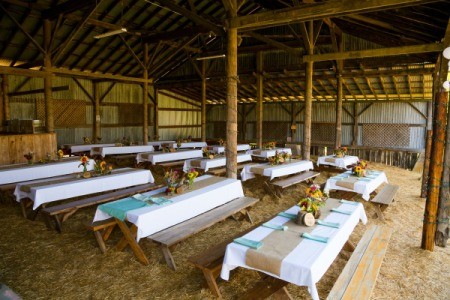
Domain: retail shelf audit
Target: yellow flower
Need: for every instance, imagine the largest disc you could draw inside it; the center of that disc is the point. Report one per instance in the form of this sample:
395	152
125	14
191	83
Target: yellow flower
358	169
103	165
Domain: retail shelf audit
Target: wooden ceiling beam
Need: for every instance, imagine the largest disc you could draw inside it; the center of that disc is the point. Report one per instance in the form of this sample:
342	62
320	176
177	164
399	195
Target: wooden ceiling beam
192	16
131	51
67	7
274	43
317	11
393	51
175	34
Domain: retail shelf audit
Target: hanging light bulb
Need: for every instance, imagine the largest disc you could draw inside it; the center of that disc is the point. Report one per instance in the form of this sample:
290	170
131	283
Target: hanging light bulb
446	53
446	85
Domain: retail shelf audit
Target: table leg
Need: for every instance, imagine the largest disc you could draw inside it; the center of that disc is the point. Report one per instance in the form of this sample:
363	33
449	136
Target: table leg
130	237
168	257
268	286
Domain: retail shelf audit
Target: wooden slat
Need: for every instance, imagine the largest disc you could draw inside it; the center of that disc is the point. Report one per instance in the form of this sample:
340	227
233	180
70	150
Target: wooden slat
284	183
363	266
177	233
386	195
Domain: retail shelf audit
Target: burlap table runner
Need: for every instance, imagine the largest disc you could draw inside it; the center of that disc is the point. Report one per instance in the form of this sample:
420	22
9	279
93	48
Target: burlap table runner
330	159
27	187
97	149
36	164
259	170
196	163
277	245
256	152
348	183
197	185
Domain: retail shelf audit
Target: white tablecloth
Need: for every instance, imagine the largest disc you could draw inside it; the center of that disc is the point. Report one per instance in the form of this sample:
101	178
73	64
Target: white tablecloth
269	153
83	147
159	157
340	162
152	219
295	166
79	187
38	170
191	145
361	187
158	143
103	151
221	149
307	263
207	163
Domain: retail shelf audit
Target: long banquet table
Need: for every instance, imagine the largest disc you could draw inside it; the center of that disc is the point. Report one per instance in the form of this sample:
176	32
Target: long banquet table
221	149
266	153
288	256
86	148
340	162
25	172
287	168
206	163
45	191
103	151
159	157
360	185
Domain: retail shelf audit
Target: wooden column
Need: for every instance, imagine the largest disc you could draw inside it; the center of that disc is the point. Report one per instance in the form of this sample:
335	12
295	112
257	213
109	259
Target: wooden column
49	119
428	142
6	110
96	131
232	114
306	149
244	121
355	125
259	98
293	122
203	117
436	168
155	115
2	115
338	140
145	97
443	214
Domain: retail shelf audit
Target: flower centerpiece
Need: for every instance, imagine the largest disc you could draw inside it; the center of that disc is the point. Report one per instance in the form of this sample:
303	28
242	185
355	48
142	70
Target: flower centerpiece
278	159
360	169
174	181
86	140
208	154
340	152
287	156
191	175
179	141
221	142
101	168
84	161
29	157
269	145
60	153
313	201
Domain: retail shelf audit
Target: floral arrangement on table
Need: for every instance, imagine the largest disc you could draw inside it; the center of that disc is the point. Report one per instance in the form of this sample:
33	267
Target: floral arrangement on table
29	157
313	200
279	158
191	175
269	145
208	154
360	169
102	168
340	152
221	142
86	140
60	153
174	182
123	142
84	161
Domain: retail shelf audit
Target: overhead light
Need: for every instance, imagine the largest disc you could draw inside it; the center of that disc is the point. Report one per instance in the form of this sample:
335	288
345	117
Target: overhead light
210	57
446	53
110	33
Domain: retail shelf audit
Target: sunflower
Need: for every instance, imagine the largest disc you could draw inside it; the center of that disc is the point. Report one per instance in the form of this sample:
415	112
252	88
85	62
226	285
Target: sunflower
103	165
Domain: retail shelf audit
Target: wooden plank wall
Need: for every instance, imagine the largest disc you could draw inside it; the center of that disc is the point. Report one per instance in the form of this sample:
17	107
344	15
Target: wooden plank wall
13	147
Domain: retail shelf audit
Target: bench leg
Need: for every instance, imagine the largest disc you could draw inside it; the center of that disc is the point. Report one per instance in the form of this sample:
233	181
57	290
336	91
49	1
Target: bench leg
23	206
348	246
168	257
379	212
100	241
266	287
212	284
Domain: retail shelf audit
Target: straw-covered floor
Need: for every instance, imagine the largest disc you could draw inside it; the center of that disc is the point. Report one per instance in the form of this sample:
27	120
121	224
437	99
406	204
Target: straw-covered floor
42	264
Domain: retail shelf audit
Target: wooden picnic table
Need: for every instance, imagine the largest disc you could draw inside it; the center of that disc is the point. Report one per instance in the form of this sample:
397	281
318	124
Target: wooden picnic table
113	150
221	149
161	157
206	163
287	257
274	171
339	162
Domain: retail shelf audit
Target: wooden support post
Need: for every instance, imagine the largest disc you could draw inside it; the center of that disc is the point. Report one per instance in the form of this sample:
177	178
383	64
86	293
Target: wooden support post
259	98
338	137
306	149
96	133
145	97
155	115
2	115
436	168
49	120
6	110
244	122
428	142
293	125
355	125
232	114
443	214
203	117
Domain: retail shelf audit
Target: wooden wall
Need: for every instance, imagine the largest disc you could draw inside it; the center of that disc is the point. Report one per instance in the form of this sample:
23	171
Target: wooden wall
13	147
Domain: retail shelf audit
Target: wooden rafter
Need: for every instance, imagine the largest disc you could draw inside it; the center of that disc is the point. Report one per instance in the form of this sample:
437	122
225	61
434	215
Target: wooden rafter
66	8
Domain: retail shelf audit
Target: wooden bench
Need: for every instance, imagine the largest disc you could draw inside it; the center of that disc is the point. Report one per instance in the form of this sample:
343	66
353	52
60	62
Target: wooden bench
171	236
360	274
102	230
222	171
61	212
119	159
383	199
276	187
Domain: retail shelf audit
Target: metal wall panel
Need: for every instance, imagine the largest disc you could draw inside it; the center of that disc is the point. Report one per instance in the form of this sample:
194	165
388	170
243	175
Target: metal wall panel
417	137
394	113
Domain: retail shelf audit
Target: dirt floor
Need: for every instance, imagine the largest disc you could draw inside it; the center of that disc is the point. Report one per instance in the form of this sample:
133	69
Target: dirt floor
42	264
